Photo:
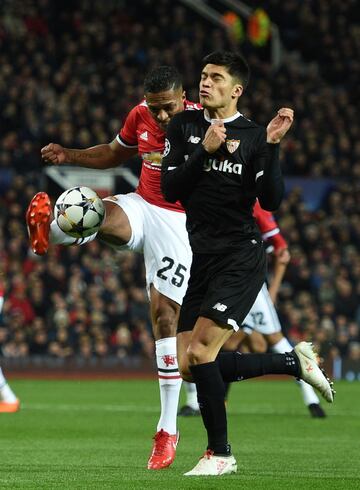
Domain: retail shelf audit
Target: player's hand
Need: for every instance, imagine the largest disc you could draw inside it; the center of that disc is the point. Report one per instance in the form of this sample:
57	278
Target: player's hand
214	137
53	153
280	125
283	256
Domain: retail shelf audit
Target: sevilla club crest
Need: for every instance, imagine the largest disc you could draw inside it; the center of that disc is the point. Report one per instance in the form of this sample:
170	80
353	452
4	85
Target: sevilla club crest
232	145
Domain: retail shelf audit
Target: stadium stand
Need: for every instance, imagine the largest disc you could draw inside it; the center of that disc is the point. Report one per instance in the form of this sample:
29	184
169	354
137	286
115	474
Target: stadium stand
70	72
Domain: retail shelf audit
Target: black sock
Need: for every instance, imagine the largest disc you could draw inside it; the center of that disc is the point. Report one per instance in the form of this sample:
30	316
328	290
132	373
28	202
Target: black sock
235	366
226	383
211	393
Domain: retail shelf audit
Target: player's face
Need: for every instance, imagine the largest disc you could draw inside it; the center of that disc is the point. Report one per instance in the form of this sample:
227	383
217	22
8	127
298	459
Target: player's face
218	89
164	105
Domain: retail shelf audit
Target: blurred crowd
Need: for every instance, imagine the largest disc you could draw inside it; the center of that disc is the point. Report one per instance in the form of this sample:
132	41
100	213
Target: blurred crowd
90	300
86	301
71	70
320	297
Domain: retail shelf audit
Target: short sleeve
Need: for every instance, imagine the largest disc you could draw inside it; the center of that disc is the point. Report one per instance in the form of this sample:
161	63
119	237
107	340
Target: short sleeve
128	135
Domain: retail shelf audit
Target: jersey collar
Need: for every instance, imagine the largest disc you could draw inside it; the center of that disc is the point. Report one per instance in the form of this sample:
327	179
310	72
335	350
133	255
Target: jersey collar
226	120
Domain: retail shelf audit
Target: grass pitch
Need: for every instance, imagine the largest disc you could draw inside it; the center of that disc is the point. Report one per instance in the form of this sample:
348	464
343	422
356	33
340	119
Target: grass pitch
97	435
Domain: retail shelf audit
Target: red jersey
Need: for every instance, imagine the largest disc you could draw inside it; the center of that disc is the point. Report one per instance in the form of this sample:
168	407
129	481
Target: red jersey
269	227
141	131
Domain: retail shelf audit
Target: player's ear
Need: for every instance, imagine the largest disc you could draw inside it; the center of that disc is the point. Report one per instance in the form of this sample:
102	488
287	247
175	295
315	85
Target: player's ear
183	95
237	90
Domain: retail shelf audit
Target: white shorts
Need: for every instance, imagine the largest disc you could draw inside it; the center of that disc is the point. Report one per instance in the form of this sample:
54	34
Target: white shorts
262	317
160	234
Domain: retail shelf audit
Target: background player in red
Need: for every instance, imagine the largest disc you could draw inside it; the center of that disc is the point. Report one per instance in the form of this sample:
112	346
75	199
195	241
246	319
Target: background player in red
141	221
262	317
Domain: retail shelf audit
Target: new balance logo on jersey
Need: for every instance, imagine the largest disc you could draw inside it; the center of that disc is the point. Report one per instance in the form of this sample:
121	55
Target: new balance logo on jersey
219	307
223	166
144	136
194	139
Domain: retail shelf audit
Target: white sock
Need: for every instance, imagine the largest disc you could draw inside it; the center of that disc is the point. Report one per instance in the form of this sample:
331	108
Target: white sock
191	395
6	393
282	346
59	237
169	383
307	391
2	378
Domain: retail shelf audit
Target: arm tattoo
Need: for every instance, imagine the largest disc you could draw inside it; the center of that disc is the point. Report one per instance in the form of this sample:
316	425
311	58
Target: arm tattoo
81	156
91	157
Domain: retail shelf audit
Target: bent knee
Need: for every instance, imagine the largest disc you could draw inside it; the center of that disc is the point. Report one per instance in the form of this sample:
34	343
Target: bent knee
197	353
115	229
185	374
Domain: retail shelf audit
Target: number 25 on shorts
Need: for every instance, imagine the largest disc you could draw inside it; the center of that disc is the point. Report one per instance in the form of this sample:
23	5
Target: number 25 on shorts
178	277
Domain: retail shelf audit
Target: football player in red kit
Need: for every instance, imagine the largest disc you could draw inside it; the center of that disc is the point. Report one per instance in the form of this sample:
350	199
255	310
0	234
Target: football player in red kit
141	221
262	317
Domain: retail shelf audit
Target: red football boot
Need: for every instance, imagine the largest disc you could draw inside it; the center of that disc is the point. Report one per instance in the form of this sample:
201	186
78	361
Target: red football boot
163	451
38	217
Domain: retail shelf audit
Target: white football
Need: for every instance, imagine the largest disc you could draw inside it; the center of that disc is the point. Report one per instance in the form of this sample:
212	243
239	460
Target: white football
79	212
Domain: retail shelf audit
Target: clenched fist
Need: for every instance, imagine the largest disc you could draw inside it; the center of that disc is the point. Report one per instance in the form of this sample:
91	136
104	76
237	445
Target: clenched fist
214	137
53	153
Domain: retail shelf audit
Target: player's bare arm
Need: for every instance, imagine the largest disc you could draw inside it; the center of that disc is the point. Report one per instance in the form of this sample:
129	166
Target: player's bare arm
98	157
282	258
279	125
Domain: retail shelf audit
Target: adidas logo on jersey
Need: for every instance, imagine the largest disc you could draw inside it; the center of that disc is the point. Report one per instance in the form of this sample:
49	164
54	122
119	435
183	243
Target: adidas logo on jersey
220	307
223	166
194	139
144	136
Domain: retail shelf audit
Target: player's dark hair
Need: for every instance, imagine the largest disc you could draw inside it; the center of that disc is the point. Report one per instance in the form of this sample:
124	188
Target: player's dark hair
235	64
161	79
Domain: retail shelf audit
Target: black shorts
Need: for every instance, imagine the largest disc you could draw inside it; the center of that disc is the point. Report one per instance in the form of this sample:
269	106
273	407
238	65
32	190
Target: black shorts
223	287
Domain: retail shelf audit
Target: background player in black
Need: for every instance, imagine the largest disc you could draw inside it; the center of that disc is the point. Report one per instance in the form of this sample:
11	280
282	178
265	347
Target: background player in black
217	162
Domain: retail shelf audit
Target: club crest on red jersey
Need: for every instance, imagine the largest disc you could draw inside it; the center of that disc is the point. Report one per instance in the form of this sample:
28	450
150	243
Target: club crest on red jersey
232	145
